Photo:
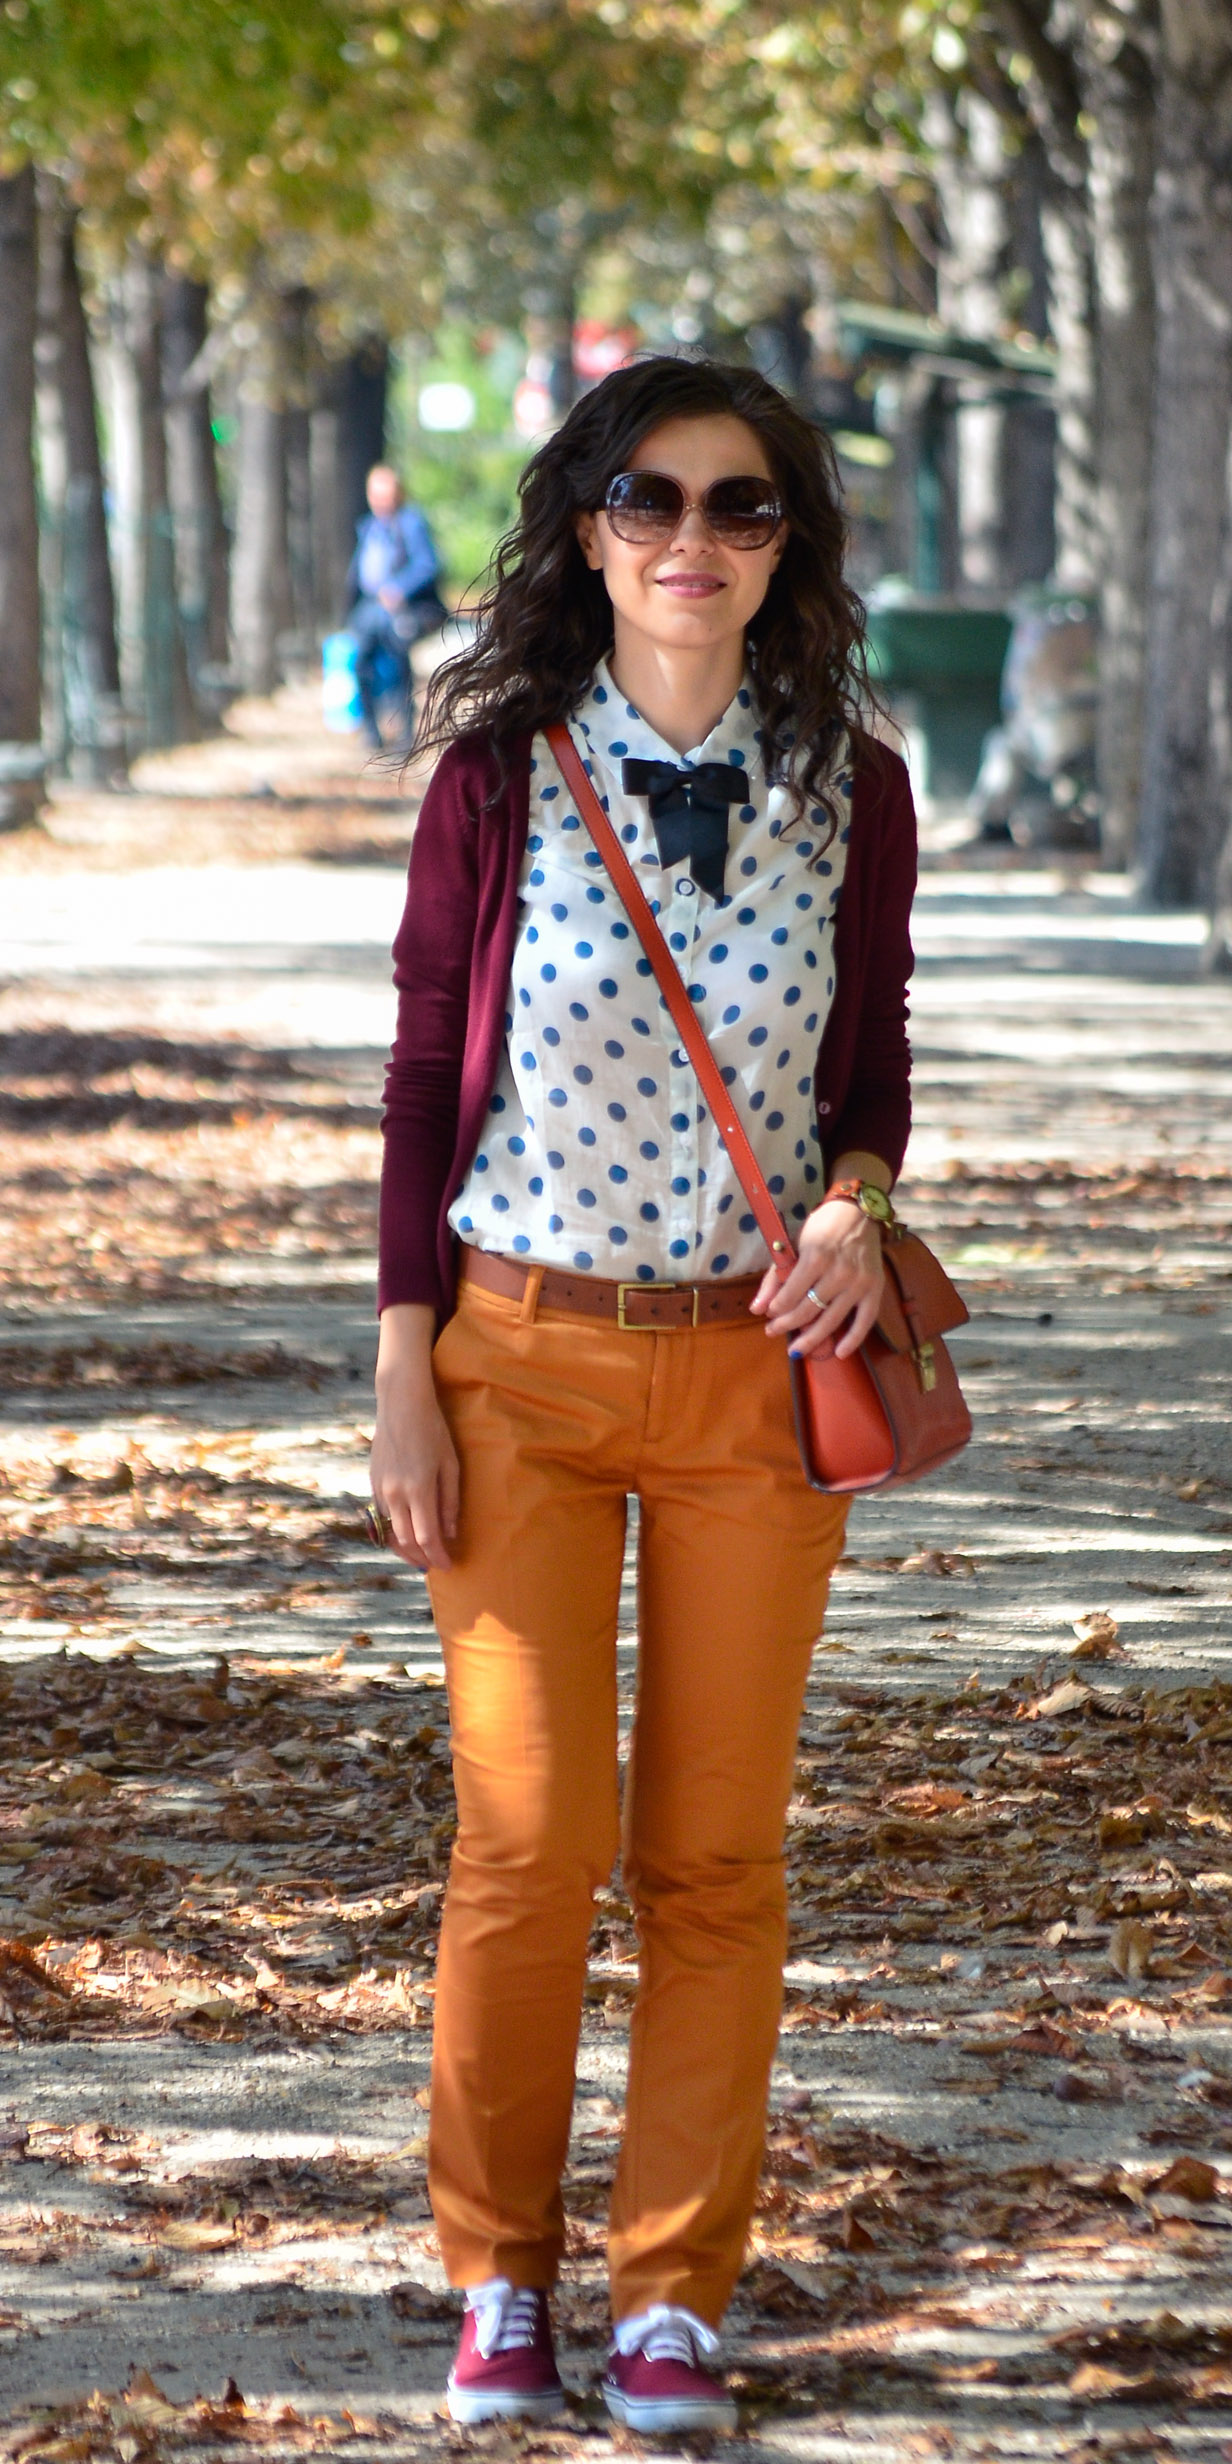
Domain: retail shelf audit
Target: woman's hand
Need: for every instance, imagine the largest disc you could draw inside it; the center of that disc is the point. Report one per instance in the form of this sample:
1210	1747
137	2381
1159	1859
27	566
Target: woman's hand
414	1469
840	1262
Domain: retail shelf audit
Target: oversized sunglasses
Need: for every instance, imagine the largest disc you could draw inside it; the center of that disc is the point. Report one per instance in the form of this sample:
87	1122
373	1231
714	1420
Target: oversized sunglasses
643	506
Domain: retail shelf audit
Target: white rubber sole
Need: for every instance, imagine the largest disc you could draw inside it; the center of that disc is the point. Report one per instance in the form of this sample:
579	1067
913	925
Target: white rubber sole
469	2405
650	2414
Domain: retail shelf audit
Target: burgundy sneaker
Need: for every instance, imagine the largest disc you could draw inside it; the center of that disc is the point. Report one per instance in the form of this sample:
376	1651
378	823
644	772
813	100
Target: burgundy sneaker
655	2380
505	2368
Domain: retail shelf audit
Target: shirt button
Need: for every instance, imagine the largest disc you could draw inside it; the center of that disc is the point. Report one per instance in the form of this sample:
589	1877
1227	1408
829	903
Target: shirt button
684	886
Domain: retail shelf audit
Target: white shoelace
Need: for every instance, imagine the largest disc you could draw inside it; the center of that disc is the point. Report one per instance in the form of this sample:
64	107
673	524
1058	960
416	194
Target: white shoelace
665	2332
505	2319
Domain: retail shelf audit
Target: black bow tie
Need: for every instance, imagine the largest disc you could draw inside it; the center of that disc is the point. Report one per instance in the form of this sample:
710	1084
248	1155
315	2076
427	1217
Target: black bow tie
689	812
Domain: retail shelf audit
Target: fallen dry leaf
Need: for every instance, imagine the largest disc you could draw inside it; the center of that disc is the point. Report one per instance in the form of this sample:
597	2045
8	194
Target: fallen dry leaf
1189	2178
1129	1948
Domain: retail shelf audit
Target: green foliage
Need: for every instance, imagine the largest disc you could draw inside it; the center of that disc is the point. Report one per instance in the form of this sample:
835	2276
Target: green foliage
466	483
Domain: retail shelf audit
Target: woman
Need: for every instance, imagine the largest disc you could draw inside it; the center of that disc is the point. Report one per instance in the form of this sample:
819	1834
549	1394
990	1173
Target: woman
575	1308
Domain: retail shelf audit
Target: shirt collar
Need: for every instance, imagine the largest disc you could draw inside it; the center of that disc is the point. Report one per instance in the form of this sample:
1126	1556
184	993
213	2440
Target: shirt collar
613	728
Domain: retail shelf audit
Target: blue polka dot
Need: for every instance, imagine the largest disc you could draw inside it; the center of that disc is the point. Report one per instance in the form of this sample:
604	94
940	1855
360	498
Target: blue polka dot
719	1265
570	822
748	812
583	1258
727	1076
810	1022
556	1161
614	1051
520	1243
744	697
616	1112
697	992
629	831
586	1137
748	1223
757	1099
528	1061
746	915
596	896
617	1234
618	744
779	935
724	1203
649	1150
803	1085
647	1086
677	941
559	910
536	878
524	996
757	1035
556	1223
497	1104
500	1204
639	1026
775	828
731	1013
805	899
748	864
810	958
774	1120
644	967
535	1185
648	1212
577	1009
608	987
586	1197
718	954
557	1096
593	857
617	1172
677	1249
465	1224
646	1274
547	793
776	1185
758	974
517	1146
583	949
583	1075
480	1164
681	1186
620	930
548	973
532	932
600	692
791	996
680	1120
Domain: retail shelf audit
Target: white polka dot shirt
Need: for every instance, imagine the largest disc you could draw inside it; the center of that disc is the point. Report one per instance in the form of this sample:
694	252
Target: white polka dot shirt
598	1153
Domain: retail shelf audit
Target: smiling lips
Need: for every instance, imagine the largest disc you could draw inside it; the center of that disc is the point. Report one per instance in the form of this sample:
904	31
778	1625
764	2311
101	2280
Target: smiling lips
690	585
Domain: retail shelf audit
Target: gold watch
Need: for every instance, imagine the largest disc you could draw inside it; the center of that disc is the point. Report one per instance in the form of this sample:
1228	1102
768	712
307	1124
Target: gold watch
866	1195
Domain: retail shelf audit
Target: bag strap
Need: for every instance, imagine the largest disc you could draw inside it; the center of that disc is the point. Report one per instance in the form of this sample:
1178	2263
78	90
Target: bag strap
680	1009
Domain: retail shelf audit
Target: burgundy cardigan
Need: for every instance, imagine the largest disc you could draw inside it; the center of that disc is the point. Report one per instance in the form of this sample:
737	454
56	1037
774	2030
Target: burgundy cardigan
452	962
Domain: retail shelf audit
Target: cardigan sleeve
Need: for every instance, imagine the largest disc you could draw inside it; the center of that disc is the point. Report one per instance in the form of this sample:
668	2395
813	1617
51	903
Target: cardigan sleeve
875	1114
432	971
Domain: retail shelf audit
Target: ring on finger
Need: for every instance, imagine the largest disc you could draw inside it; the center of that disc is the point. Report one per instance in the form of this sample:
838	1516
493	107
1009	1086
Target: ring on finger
815	1297
378	1526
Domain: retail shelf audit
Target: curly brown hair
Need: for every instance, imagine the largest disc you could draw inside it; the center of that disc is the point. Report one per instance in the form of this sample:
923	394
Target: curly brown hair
545	620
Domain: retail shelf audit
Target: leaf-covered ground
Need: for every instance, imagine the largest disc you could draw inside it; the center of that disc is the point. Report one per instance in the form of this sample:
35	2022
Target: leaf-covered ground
995	2214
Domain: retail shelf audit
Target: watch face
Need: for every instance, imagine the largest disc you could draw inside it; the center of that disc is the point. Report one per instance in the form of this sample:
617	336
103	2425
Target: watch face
875	1203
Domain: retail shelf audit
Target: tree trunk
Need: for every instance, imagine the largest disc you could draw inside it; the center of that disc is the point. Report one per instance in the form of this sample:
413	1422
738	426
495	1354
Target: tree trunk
333	535
971	170
1184	815
201	546
1120	105
297	448
80	633
1071	315
260	584
153	663
21	756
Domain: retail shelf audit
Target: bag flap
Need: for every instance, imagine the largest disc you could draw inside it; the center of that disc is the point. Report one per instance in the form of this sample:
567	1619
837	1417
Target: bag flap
919	1300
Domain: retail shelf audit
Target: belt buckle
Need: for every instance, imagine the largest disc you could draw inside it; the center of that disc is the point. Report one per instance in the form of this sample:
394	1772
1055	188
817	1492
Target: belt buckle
646	1328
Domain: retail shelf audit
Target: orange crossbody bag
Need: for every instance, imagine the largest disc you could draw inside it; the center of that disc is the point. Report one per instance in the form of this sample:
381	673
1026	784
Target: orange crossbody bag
894	1410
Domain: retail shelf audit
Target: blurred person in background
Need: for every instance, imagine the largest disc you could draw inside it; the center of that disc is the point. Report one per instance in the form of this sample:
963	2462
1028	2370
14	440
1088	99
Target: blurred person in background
393	582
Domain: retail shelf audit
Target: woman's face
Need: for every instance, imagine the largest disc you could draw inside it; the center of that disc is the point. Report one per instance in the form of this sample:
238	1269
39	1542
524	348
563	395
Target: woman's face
687	592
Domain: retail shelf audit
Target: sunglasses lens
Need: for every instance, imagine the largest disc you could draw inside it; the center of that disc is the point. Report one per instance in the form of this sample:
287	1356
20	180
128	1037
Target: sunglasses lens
644	505
743	513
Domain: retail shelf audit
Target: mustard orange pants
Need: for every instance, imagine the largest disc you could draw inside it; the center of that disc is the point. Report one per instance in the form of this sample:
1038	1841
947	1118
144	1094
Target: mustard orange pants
557	1420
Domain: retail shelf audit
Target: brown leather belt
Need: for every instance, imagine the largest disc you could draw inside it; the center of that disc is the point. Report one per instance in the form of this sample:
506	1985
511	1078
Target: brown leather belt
638	1308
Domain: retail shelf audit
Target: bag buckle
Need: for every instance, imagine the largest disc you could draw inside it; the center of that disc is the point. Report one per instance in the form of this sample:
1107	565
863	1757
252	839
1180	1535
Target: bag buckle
926	1366
647	1326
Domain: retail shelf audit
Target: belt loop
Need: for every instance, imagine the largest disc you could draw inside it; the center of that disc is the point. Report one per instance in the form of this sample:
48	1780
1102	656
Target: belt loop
530	1295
